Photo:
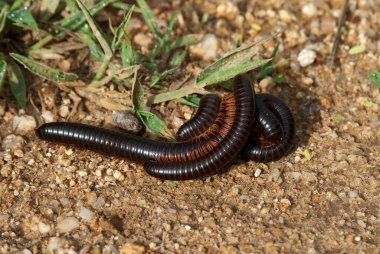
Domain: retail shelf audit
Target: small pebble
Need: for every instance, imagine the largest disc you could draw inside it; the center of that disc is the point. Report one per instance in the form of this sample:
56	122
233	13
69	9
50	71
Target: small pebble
258	172
266	82
55	243
127	121
68	224
357	238
143	40
85	213
65	202
23	124
132	248
296	175
361	223
64	111
207	49
43	228
177	122
82	173
306	57
48	117
309	10
227	10
244	197
353	194
13	142
118	175
2	107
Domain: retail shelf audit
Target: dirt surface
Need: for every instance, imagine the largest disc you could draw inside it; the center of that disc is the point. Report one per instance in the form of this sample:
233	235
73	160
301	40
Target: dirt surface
322	198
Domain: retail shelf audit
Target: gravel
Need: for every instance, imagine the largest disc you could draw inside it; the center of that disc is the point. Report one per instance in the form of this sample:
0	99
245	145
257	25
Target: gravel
66	200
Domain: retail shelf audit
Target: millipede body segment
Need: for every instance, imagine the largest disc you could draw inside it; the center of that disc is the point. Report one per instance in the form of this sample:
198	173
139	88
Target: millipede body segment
240	121
207	112
271	136
274	137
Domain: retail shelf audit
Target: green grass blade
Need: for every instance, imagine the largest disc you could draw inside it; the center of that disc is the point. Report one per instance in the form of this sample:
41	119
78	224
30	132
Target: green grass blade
375	78
228	73
125	6
17	83
97	32
269	68
177	58
191	100
16	4
138	97
155	125
172	22
121	29
3	17
73	22
128	55
93	47
23	18
176	94
101	39
183	41
43	70
158	77
149	18
48	8
239	56
3	70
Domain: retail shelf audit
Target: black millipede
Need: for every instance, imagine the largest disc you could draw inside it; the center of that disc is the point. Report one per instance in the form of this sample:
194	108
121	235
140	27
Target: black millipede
274	137
242	120
206	114
181	161
272	134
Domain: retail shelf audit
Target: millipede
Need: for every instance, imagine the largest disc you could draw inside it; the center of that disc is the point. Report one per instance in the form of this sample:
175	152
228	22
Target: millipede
207	112
201	156
275	133
271	136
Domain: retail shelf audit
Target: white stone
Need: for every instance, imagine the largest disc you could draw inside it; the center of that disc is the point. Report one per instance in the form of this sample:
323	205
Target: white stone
48	117
64	111
207	48
13	142
296	175
68	224
85	213
23	124
258	172
361	223
82	173
118	175
227	10
353	194
43	228
285	16
309	10
306	57
55	243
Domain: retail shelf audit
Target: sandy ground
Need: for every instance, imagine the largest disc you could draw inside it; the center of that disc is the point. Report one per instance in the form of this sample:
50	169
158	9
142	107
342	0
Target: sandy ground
57	199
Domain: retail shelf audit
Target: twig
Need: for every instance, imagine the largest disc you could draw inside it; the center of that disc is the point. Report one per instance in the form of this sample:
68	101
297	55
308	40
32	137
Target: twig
342	19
